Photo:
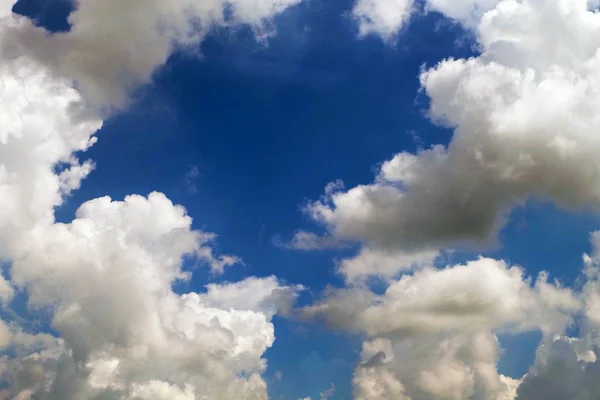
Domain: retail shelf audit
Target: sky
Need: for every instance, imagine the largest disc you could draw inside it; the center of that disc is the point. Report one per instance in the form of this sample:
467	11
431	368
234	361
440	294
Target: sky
299	200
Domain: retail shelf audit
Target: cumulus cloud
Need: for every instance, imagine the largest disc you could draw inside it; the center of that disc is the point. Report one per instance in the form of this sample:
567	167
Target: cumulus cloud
106	278
383	264
432	334
114	46
386	18
444	366
524	127
382	17
481	295
308	241
568	367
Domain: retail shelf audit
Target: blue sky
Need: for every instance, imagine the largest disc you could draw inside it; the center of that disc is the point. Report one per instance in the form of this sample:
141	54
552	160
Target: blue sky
267	128
244	134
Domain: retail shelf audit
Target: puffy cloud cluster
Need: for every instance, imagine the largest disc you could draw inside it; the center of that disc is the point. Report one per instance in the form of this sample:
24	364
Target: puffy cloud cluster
524	125
105	279
432	335
142	345
433	367
114	46
480	295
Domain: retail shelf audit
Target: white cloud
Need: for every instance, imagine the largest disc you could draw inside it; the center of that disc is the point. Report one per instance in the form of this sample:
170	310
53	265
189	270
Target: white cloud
106	277
386	18
455	367
6	291
158	390
308	241
469	12
568	368
382	264
432	333
327	393
382	17
481	295
524	126
114	46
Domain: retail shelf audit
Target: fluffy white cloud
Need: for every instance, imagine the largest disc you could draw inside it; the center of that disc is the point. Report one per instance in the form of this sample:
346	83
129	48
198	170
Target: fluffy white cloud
481	295
382	17
114	46
106	277
432	333
444	366
524	127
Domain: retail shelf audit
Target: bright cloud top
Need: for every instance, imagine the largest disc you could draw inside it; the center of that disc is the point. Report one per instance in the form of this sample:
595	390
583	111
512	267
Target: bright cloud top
383	17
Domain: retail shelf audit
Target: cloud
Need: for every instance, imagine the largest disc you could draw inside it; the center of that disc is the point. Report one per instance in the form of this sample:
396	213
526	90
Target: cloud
445	366
382	17
308	241
108	277
105	279
432	334
480	295
6	290
568	367
326	394
387	18
112	46
524	127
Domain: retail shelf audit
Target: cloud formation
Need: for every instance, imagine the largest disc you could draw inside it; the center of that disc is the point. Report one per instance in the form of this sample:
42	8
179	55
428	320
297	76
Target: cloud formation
524	127
382	17
105	279
112	46
483	294
433	335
